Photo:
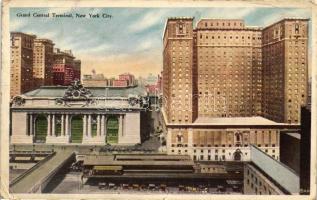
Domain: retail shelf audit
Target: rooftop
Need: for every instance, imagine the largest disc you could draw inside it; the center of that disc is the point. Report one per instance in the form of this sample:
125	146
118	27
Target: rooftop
58	91
137	160
235	121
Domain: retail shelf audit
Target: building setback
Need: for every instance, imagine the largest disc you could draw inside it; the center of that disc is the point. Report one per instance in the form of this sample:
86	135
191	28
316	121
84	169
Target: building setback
21	79
214	74
43	62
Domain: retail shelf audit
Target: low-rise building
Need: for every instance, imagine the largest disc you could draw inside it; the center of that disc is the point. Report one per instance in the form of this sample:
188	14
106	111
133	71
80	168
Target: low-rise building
77	115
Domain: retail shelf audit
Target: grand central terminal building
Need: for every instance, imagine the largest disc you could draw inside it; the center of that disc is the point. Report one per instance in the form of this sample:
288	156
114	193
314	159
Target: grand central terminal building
77	115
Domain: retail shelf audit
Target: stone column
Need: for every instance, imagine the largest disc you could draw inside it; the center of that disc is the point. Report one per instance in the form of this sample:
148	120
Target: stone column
89	125
85	126
98	125
102	125
67	125
63	125
53	125
48	125
120	126
31	124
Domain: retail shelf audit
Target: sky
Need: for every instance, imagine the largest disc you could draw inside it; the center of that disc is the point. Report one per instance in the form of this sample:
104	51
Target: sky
131	40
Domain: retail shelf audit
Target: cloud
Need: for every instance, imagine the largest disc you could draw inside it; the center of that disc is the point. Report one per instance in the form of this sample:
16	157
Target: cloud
95	50
145	45
287	13
147	21
228	13
17	24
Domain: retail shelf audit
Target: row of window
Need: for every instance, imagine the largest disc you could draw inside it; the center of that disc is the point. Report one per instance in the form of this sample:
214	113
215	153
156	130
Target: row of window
229	37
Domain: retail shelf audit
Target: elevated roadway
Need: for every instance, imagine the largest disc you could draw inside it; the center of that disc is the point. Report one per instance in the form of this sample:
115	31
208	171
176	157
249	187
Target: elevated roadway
36	178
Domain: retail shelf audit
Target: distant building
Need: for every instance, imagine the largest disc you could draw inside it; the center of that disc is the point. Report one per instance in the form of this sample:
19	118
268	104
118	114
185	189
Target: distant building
155	88
21	79
65	70
120	83
129	78
43	61
150	79
77	69
94	80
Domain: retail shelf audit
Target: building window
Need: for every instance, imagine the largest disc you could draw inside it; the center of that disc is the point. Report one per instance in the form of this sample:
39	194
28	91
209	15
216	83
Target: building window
296	28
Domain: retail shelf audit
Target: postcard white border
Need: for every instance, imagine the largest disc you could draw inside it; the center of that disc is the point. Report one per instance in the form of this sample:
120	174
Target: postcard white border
5	88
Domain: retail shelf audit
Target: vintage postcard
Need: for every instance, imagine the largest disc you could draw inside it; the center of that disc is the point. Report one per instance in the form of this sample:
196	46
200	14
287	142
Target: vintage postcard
158	99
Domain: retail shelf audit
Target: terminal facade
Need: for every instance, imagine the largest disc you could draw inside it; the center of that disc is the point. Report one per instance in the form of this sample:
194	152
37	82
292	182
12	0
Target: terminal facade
76	115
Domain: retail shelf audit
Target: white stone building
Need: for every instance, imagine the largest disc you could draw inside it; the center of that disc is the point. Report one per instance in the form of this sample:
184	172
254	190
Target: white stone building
76	115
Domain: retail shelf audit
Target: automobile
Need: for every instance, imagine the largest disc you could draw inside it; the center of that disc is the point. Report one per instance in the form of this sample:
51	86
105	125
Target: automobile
136	186
125	186
181	188
152	186
220	188
112	185
163	187
102	185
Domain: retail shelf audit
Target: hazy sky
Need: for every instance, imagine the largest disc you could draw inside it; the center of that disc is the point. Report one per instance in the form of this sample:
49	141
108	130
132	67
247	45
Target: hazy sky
131	41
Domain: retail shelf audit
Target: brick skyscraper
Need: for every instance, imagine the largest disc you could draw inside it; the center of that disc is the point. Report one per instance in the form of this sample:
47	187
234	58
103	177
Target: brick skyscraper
218	96
178	71
216	69
285	46
21	63
43	62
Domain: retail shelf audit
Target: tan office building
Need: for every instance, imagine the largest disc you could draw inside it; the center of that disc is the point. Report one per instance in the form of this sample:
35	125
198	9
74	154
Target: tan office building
21	79
43	60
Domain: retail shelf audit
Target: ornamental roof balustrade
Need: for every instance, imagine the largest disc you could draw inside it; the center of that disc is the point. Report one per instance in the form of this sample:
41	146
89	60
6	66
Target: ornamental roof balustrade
78	96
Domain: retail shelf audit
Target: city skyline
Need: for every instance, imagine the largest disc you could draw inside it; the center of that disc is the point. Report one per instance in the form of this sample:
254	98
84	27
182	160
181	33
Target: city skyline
138	48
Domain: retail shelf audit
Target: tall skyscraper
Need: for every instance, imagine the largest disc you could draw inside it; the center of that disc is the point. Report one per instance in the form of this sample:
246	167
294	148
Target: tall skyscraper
218	96
285	46
43	62
216	69
178	71
21	79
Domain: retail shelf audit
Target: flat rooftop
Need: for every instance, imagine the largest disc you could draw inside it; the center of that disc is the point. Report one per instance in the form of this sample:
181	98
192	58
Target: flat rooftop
58	91
138	160
256	120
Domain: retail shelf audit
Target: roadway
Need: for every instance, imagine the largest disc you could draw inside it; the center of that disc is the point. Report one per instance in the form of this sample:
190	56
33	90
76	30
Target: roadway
35	178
